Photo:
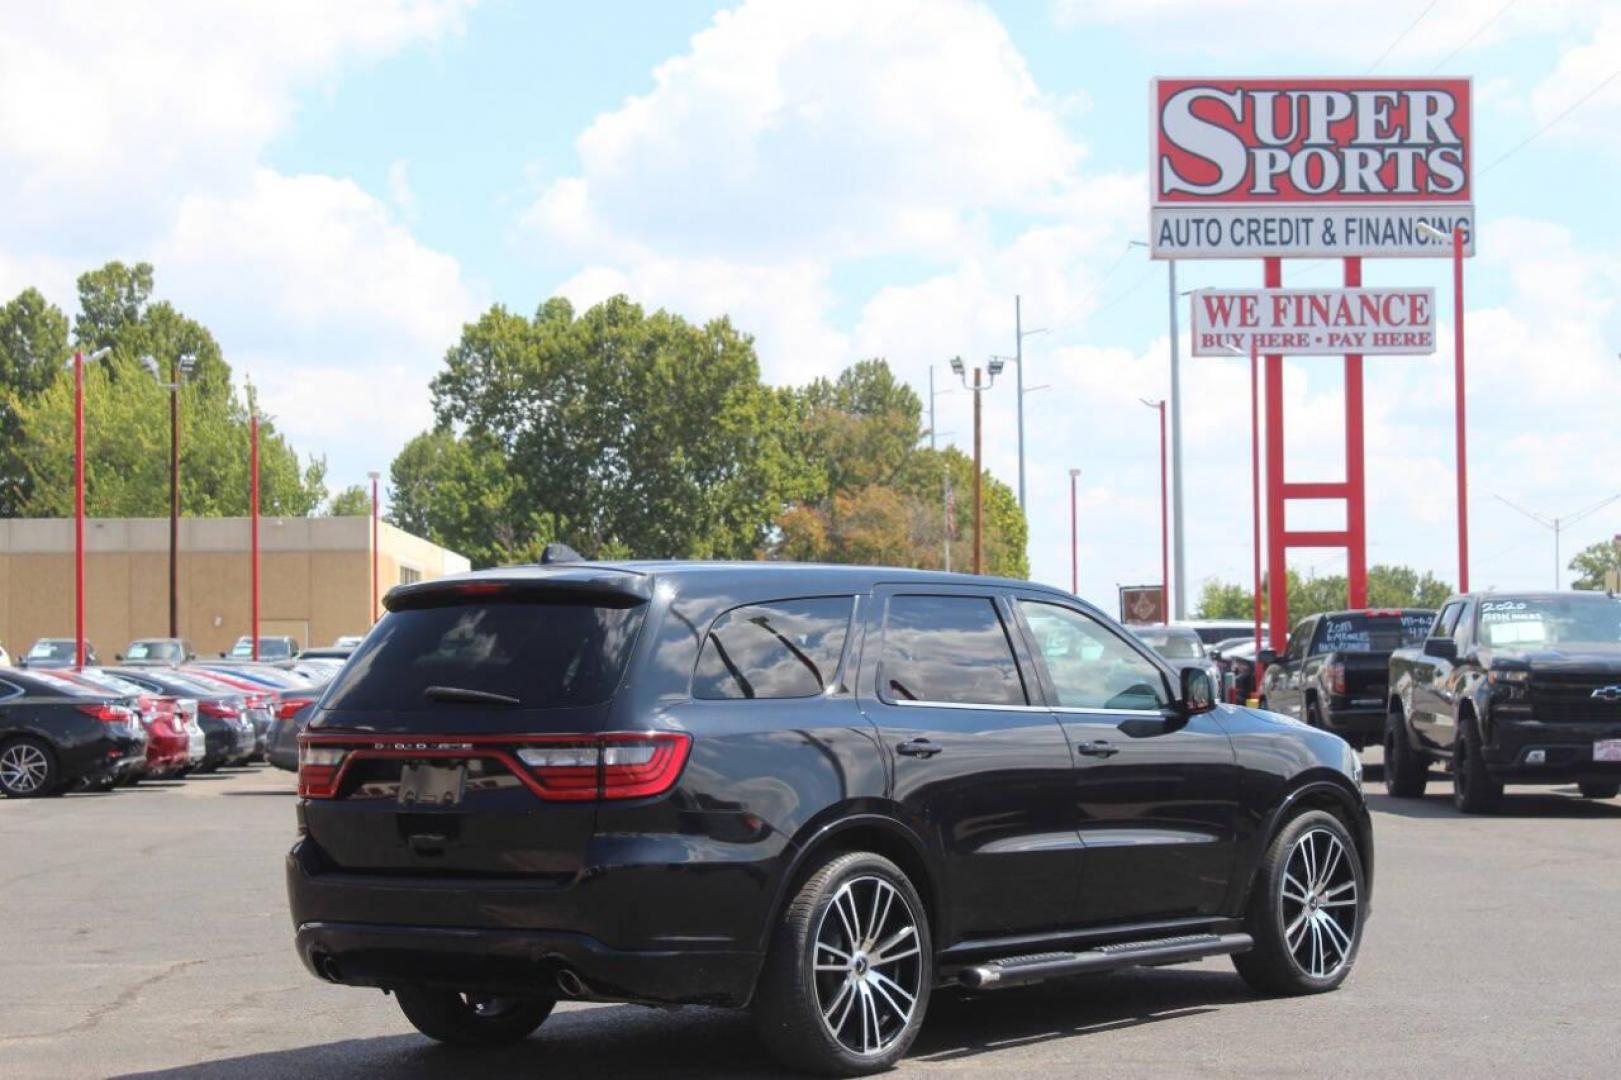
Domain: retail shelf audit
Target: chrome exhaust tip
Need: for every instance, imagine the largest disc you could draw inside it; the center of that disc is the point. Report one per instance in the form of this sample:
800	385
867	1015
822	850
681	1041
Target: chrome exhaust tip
569	983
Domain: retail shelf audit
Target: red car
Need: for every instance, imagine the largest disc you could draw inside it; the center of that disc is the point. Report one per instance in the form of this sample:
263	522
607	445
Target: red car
173	741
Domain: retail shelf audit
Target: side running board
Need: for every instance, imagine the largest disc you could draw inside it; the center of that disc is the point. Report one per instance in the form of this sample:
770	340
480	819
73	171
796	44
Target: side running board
1018	970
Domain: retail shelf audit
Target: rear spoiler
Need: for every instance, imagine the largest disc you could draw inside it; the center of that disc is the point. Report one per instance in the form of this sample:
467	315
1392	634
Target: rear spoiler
565	583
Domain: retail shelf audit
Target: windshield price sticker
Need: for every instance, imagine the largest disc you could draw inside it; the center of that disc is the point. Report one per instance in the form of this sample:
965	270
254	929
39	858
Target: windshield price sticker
1314	322
1247	168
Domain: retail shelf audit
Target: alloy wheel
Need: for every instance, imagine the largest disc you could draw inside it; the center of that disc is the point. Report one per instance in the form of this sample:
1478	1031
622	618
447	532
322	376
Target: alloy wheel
867	965
23	768
1320	906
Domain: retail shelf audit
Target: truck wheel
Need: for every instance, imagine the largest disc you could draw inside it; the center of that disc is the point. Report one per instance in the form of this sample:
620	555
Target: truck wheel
1474	789
1599	791
471	1019
1407	772
1306	909
1314	716
848	976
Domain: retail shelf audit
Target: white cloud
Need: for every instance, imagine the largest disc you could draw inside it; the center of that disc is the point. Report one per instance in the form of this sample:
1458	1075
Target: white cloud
1581	70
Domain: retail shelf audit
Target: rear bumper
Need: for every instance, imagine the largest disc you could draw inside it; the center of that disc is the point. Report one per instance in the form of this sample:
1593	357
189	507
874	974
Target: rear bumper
1358	720
520	962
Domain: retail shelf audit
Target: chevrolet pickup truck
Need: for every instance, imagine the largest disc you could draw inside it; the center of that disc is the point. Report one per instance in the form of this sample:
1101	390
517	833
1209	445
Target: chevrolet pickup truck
1520	688
1332	675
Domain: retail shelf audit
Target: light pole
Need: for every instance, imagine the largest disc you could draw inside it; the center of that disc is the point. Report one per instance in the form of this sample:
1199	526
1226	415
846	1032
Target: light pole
1074	537
253	515
1459	412
78	501
181	364
995	369
373	476
1164	519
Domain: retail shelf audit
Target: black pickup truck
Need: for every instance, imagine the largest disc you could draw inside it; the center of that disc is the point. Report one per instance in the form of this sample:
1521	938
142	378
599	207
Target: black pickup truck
1332	675
1510	688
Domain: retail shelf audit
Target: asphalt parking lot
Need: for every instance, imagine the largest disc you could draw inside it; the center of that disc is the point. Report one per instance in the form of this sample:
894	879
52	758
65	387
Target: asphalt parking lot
145	933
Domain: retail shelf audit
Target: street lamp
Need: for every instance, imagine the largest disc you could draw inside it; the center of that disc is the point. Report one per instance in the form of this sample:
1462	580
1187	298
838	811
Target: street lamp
78	501
1164	518
253	513
1074	537
1456	240
1019	334
995	369
181	364
373	477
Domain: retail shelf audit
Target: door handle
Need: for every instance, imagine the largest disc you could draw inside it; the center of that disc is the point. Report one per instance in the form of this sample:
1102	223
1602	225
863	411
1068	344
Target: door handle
917	748
1097	748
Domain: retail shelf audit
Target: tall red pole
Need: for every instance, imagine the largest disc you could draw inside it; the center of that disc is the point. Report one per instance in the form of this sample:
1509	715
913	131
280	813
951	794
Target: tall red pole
1458	381
1074	538
1356	506
374	547
253	514
1164	526
78	509
1255	488
1277	586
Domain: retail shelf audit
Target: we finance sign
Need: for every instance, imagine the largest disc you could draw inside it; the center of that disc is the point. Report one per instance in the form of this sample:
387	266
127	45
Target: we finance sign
1314	322
1249	168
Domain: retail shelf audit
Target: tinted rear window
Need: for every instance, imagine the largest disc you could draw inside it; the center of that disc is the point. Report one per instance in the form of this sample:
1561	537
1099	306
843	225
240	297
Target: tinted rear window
1373	633
787	649
950	649
546	655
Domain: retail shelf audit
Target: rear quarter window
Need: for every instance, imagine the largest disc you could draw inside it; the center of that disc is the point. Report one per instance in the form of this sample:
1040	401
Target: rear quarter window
545	654
784	649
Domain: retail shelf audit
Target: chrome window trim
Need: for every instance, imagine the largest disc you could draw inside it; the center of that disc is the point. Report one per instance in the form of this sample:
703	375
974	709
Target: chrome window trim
16	691
1070	710
905	704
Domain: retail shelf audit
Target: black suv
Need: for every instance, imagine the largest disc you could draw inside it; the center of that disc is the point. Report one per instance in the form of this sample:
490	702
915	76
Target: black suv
818	791
1521	688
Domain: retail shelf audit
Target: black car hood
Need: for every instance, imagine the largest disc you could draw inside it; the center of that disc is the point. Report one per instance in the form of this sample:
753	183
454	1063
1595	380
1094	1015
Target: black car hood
1584	659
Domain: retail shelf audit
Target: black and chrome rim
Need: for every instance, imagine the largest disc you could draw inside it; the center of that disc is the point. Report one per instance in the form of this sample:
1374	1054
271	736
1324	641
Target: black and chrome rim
23	768
868	965
1320	904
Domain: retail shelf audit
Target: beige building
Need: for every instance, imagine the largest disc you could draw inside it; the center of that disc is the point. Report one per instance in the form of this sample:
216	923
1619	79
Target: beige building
314	578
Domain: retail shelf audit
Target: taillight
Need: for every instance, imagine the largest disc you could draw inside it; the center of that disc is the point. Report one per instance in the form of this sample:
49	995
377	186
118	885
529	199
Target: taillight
107	714
1336	678
608	766
217	710
318	768
288	707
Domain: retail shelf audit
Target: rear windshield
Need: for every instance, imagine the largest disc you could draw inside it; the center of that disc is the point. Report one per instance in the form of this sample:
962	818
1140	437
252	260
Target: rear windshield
1359	632
52	650
545	655
153	650
1174	645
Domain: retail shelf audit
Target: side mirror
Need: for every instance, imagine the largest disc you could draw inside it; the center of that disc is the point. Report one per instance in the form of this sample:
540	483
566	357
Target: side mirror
1441	648
1198	691
119	657
1266	657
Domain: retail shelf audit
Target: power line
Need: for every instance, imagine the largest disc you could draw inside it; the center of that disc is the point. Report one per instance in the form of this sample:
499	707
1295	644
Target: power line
1572	107
1401	37
1470	40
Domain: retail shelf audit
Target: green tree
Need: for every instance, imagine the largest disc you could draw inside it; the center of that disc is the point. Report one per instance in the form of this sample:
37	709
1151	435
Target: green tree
352	501
624	432
33	348
1593	563
462	496
1222	600
111	301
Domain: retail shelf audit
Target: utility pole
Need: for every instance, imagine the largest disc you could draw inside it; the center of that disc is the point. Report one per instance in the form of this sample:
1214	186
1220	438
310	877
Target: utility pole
1180	557
1558	525
978	388
1074	536
1164	519
1019	334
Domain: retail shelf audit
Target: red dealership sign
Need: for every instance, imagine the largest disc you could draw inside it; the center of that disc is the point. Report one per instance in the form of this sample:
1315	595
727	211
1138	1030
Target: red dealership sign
1339	167
1314	322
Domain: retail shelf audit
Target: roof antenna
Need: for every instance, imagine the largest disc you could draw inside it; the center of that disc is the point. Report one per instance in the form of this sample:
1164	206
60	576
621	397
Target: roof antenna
559	553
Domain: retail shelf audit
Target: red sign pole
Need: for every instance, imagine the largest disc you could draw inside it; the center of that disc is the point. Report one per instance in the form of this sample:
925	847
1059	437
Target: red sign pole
1277	564
1356	518
78	509
253	513
1458	382
1255	490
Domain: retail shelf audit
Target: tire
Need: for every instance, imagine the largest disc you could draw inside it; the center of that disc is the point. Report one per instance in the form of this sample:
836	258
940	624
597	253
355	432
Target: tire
1314	716
1474	789
471	1020
1407	772
1306	945
831	916
1598	791
27	768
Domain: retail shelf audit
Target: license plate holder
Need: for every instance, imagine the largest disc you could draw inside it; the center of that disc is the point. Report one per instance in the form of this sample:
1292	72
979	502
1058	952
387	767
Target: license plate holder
432	785
1607	750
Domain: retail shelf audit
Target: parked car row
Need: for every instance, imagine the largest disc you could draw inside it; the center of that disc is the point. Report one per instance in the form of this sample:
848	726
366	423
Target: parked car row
159	713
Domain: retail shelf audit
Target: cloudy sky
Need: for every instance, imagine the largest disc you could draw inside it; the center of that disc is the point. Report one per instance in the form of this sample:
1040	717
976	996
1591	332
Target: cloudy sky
335	188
